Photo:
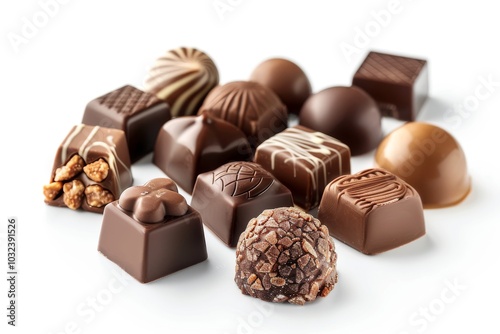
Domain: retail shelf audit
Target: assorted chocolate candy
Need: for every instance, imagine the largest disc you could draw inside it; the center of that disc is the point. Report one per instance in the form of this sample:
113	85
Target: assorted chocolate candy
286	79
151	231
286	255
140	115
398	84
229	196
428	158
183	77
191	145
231	147
346	113
253	108
305	161
91	169
372	211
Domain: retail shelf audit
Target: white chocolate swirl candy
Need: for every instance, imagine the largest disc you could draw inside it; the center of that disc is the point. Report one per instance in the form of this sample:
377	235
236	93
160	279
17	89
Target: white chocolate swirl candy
182	77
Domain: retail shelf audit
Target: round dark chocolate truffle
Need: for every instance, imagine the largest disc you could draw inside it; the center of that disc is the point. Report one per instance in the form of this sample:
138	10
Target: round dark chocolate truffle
286	79
429	159
348	114
286	255
182	77
253	108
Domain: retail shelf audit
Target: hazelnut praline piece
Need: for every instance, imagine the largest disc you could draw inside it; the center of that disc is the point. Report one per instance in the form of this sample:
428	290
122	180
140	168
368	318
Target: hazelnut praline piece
286	255
429	159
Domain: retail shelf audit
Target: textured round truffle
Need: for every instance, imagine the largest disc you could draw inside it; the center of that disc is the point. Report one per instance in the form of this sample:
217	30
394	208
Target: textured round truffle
429	159
286	79
348	114
253	108
182	77
286	254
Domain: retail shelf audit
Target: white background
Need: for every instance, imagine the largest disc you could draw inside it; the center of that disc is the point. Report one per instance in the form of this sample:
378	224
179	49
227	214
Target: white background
91	47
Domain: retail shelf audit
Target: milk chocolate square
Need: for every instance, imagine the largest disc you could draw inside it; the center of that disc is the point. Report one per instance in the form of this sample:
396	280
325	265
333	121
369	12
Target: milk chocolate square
399	84
372	211
151	232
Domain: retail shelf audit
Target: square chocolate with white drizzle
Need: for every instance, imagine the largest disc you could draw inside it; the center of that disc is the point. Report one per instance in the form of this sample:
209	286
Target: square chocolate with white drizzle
305	161
91	169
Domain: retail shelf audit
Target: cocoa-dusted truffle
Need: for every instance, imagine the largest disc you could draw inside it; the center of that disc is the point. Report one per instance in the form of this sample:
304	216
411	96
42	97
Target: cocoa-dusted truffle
286	254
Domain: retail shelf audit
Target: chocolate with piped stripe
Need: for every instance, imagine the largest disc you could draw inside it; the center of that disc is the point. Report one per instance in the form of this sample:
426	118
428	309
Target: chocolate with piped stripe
372	211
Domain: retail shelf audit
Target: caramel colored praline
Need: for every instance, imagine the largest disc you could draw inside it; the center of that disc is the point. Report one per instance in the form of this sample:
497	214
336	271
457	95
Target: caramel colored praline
429	159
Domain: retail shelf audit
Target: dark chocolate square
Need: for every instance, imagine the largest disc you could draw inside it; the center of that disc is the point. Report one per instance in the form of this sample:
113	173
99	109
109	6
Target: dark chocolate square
398	84
139	114
305	161
231	195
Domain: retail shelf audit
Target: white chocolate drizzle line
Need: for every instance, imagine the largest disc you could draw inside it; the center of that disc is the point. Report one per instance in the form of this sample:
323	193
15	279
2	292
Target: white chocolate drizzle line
301	145
110	147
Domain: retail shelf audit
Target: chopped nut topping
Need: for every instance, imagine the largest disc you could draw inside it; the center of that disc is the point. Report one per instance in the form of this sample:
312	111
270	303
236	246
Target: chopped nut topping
97	171
73	194
97	196
52	190
72	168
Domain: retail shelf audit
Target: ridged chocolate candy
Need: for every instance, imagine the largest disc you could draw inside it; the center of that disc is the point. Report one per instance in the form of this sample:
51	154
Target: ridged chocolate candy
286	255
182	77
253	108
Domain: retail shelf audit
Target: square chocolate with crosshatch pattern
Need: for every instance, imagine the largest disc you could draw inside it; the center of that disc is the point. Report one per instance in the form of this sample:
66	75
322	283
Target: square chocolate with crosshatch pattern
230	196
139	114
398	84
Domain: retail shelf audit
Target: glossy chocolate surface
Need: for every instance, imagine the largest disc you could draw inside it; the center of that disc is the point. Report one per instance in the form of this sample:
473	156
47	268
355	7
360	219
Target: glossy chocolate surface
183	77
305	161
429	159
399	84
251	107
151	232
140	115
91	169
229	196
191	145
286	255
286	79
346	113
372	211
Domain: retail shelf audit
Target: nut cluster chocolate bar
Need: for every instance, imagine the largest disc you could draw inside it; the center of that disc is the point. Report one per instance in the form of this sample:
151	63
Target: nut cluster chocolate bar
91	169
